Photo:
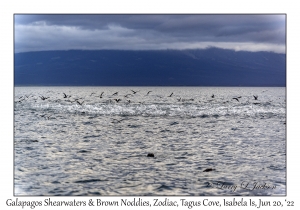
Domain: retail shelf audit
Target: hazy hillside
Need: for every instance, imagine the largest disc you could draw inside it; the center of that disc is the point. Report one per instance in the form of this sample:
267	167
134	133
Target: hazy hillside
210	67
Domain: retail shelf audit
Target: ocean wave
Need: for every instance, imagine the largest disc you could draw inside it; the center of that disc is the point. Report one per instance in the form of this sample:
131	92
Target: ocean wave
157	110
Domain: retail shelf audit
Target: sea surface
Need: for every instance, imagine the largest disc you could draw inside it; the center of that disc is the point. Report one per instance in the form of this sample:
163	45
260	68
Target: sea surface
74	141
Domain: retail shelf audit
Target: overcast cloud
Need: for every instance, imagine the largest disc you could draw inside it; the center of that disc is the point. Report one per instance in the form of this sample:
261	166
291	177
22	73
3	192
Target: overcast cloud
144	32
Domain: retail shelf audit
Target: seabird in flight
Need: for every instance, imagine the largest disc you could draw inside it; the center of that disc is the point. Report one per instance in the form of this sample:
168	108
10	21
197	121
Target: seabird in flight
20	101
255	97
127	95
101	94
134	92
43	98
80	103
236	99
170	95
66	96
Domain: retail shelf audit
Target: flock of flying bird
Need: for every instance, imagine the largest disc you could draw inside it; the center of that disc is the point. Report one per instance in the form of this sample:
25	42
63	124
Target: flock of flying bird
117	100
80	101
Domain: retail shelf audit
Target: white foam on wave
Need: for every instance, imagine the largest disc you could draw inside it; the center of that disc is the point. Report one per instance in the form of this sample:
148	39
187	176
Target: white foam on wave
172	110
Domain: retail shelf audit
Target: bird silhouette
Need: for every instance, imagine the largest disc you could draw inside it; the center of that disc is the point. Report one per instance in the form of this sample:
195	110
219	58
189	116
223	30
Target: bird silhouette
116	93
134	92
101	95
126	96
255	97
66	96
148	92
236	99
43	98
80	103
20	101
170	95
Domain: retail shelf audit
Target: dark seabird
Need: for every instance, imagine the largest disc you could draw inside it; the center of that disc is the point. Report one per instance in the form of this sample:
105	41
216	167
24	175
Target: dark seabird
213	96
66	96
20	101
76	99
126	96
43	98
134	92
101	94
117	100
80	103
236	99
150	155
255	97
170	95
116	93
148	92
209	169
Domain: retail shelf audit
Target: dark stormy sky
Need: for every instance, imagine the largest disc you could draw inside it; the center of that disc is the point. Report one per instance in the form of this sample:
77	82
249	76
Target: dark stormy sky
147	32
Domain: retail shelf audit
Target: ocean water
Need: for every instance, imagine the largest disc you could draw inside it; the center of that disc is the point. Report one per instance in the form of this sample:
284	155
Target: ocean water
71	141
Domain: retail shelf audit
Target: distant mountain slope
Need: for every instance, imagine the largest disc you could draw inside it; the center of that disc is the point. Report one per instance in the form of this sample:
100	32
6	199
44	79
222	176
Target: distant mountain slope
209	67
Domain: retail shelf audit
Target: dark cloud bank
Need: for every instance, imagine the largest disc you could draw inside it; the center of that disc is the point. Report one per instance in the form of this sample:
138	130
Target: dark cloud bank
150	32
